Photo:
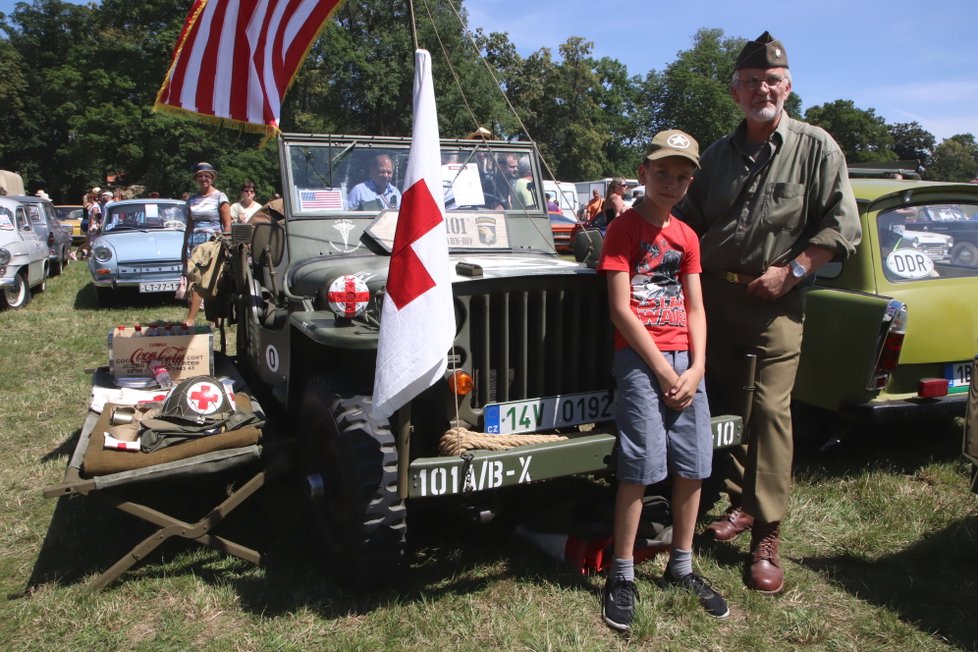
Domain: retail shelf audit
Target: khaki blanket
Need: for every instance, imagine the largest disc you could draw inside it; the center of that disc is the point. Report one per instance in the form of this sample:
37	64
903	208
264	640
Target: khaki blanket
100	461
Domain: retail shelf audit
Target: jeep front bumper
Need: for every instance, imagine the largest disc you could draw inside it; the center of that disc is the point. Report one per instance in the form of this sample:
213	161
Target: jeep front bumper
481	470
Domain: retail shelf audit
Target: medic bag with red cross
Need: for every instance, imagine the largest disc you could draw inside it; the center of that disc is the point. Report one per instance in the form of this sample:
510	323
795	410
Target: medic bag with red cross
196	407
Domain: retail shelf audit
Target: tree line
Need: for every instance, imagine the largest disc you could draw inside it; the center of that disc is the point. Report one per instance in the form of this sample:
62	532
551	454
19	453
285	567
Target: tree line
80	80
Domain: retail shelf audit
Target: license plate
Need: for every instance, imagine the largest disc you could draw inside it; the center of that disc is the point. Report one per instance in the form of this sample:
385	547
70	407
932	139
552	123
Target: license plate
159	286
958	375
547	412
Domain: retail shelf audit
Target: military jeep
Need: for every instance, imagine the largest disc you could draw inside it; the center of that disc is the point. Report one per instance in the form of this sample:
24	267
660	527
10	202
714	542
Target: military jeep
532	353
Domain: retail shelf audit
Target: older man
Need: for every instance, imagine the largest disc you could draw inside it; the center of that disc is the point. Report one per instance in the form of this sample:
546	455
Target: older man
771	204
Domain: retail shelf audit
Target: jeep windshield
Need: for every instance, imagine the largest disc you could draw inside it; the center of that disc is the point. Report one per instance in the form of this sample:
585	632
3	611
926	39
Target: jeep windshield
492	193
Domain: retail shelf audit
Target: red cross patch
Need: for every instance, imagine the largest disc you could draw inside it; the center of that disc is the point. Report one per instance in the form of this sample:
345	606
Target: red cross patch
204	398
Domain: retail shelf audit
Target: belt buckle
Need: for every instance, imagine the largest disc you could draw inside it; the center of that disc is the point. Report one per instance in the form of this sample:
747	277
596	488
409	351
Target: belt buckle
732	277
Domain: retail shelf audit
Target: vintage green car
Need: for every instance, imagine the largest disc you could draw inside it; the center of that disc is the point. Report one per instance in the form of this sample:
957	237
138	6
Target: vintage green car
891	332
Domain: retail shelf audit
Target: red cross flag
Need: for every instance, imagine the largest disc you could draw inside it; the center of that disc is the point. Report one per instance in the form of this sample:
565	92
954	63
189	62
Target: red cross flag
235	59
417	324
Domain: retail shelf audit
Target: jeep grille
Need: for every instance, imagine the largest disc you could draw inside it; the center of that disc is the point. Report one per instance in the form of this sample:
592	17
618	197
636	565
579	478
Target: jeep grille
551	336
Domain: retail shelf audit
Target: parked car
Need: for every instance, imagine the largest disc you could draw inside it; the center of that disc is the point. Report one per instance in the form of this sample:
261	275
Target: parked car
49	227
891	332
956	221
72	215
562	226
23	255
139	247
970	443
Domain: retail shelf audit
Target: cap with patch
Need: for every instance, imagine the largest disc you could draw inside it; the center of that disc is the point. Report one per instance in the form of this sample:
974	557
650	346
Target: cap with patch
763	52
674	142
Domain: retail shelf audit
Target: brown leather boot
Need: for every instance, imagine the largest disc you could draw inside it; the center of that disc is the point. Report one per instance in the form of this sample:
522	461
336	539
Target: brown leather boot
765	574
730	525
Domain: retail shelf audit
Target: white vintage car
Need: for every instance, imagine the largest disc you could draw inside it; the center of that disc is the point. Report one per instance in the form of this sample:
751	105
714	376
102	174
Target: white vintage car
23	256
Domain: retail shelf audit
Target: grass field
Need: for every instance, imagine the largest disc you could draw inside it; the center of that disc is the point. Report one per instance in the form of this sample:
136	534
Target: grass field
880	547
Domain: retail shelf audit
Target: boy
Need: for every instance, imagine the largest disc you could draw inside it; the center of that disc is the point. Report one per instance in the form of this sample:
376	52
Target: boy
652	264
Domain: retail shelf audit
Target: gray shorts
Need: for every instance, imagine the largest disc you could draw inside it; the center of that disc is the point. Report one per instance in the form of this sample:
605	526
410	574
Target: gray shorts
655	441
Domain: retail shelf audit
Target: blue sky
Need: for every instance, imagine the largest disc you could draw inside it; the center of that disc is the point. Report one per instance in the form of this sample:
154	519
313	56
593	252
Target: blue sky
907	60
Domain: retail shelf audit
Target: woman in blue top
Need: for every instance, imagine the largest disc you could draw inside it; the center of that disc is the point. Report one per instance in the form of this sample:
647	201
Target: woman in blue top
210	213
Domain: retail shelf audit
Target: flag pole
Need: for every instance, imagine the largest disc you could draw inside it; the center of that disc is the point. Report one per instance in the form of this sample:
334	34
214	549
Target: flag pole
414	24
404	414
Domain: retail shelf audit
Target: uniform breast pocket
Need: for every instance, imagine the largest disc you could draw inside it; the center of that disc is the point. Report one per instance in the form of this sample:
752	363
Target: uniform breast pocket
785	202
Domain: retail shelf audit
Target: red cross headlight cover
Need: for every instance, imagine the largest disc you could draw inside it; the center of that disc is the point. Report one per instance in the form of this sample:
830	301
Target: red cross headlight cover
348	296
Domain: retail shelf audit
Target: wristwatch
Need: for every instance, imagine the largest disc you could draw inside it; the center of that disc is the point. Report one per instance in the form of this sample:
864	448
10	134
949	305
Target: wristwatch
797	269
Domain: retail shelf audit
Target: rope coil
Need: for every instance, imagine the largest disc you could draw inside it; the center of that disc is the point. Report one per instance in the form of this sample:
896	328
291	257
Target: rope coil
456	441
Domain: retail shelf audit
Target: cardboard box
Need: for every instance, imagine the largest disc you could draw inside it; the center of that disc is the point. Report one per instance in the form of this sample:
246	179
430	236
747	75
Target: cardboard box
183	355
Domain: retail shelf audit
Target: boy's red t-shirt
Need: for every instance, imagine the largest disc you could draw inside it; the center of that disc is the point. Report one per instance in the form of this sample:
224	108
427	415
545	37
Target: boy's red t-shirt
656	259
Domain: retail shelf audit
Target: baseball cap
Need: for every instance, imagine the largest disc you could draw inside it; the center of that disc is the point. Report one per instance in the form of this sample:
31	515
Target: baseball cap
674	142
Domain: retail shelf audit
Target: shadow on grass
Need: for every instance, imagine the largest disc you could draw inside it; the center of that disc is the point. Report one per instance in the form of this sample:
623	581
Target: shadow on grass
931	584
901	447
87	299
447	554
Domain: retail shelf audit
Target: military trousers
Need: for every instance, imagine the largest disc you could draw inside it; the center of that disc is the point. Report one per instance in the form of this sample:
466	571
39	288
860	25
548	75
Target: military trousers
757	473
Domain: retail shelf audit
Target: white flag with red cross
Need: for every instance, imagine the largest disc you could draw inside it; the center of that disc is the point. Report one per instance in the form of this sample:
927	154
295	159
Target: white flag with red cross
417	323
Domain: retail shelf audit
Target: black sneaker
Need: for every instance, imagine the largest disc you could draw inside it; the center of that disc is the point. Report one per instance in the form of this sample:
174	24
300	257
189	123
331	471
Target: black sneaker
618	607
712	601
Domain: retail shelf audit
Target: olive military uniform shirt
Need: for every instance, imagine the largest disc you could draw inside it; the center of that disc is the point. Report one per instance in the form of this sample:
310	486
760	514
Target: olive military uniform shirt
761	208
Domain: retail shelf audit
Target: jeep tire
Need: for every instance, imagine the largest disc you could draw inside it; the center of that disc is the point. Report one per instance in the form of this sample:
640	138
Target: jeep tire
349	465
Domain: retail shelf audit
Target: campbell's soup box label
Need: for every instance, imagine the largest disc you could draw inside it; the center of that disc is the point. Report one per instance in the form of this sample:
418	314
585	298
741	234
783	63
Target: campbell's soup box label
183	356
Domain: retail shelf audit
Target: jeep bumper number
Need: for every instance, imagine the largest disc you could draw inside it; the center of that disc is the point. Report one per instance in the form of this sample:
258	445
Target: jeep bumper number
484	470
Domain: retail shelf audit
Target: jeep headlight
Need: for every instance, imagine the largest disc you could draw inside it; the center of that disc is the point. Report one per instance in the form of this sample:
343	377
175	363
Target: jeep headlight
102	253
348	296
4	256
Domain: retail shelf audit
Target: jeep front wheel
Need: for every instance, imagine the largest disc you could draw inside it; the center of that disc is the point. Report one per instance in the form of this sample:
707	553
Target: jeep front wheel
349	465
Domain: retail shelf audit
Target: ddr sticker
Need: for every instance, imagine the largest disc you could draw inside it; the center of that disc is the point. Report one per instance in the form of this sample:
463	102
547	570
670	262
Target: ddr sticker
910	263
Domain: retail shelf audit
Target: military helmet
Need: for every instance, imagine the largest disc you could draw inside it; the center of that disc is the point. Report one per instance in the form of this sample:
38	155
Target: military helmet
199	399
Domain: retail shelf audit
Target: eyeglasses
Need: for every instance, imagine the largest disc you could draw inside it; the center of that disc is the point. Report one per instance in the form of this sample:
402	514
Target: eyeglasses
754	82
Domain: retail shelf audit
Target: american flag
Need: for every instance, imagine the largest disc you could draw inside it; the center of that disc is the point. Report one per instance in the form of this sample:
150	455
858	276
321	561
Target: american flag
235	59
320	199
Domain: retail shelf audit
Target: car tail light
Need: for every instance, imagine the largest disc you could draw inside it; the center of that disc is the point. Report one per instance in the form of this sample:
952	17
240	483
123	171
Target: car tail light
932	387
894	328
